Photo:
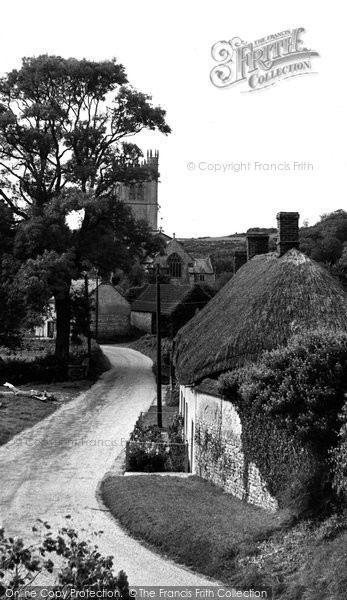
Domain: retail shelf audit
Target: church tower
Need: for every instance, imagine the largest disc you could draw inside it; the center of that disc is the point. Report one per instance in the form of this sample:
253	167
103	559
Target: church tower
142	197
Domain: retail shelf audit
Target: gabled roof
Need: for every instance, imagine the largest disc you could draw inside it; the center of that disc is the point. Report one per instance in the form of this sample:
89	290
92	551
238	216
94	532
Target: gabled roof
202	265
171	296
116	288
268	300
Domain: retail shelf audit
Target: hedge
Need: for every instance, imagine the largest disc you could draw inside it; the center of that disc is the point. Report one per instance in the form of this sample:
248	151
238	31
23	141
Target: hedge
289	405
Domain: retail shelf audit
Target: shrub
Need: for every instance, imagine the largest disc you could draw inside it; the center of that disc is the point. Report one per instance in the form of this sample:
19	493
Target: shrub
83	566
289	404
19	371
149	452
339	457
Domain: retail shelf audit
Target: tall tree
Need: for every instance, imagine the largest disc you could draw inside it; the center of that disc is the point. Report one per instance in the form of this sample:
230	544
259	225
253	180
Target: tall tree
10	308
63	124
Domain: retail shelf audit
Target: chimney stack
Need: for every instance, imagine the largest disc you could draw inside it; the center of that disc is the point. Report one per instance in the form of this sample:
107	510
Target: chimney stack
257	243
288	231
240	258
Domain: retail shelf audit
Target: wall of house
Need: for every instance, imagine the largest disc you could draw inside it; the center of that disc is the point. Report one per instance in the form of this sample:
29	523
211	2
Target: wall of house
213	431
48	327
209	278
113	312
142	321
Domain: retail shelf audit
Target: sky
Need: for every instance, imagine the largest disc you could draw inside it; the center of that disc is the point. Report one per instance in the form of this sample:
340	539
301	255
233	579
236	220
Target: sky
165	48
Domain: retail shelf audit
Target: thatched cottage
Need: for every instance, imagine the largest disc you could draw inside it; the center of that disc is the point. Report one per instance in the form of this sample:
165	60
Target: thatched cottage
272	296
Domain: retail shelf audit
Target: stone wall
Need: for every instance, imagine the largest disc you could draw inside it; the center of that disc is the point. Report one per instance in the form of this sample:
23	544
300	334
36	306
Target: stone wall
217	447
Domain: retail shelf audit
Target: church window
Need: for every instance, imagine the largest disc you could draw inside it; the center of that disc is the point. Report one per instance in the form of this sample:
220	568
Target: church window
141	191
175	265
132	192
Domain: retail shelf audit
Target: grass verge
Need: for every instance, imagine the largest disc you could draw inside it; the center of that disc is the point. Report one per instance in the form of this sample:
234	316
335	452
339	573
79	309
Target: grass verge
197	524
19	412
190	520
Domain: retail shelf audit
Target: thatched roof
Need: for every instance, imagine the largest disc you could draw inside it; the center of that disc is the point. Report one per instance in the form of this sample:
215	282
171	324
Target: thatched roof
268	300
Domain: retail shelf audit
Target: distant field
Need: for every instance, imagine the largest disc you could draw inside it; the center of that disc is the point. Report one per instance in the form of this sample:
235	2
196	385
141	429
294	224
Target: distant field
219	247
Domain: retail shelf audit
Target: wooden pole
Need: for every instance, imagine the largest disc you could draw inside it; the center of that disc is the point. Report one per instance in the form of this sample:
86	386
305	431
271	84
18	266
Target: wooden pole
159	406
89	342
96	307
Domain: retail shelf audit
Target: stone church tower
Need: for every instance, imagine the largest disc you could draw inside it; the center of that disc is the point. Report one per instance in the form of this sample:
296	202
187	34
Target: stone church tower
143	197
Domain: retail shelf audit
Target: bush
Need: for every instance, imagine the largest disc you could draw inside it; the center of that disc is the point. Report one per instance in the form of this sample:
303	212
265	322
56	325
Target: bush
19	371
339	457
289	404
149	452
43	367
83	567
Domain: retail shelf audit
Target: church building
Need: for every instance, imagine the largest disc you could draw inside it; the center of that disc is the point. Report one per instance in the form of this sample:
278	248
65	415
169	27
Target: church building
183	268
142	197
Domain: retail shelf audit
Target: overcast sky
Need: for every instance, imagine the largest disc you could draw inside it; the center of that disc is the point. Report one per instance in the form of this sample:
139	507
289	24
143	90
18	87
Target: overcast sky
165	47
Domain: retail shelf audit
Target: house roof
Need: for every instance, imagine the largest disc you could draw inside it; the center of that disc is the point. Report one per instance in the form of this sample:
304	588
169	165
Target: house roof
202	265
116	288
268	300
171	296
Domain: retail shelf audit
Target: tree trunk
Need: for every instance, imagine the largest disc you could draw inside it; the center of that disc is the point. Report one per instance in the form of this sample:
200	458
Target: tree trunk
62	342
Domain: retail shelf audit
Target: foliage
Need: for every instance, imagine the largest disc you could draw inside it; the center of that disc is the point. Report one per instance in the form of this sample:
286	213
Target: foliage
289	404
324	241
339	456
63	147
43	366
18	371
84	568
10	305
149	451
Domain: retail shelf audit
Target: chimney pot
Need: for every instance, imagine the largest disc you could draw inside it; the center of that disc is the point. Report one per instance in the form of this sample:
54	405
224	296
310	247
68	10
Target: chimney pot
257	243
288	231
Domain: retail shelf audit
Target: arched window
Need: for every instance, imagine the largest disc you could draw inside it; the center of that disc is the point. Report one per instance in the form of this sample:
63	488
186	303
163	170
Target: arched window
132	191
141	192
175	265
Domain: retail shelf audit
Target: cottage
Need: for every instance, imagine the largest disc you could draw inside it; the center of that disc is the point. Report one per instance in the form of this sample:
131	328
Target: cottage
47	327
178	305
270	297
110	312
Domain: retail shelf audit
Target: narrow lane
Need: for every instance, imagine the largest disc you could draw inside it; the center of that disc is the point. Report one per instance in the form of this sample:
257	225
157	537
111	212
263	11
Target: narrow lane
54	468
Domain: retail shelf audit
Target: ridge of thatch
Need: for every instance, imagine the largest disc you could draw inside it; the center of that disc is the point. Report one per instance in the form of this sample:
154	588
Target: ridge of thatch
268	300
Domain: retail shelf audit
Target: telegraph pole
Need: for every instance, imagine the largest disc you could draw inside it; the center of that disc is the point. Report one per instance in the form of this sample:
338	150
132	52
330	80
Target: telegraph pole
89	336
159	408
96	307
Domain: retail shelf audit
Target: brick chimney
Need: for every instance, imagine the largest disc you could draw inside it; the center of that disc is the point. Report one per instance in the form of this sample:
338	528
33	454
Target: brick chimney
240	258
288	231
257	243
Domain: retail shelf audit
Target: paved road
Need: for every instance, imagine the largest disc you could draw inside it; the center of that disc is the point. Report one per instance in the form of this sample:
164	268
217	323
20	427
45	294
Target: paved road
54	468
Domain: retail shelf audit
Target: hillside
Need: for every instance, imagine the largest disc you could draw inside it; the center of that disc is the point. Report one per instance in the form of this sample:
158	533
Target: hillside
323	241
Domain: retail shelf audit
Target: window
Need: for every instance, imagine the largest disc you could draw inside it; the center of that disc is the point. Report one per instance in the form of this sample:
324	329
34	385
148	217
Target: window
175	265
132	192
141	192
199	277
